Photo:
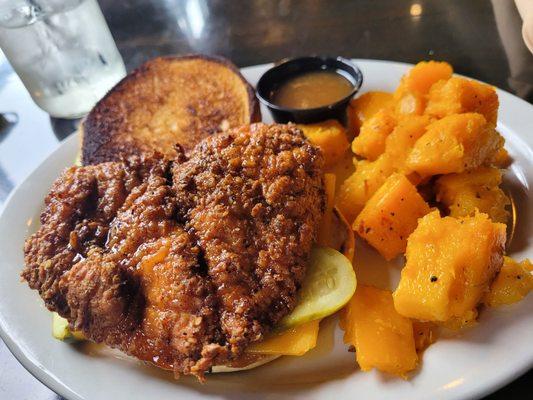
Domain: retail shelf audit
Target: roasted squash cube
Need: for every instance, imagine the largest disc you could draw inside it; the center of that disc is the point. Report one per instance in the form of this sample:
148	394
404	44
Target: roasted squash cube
402	139
382	338
450	265
361	185
424	75
370	143
410	96
500	158
459	95
512	284
467	320
343	169
478	189
453	144
390	216
366	105
330	136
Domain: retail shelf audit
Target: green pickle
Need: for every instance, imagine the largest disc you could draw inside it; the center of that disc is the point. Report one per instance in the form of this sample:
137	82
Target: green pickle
329	284
61	330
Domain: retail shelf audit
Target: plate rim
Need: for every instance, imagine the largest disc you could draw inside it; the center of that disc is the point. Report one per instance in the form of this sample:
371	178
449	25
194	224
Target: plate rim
54	383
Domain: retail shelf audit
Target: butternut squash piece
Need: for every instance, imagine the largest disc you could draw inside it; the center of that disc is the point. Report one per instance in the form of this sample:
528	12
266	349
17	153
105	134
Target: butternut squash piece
330	136
467	320
343	169
464	193
366	105
501	157
383	339
410	96
424	75
425	334
460	95
453	144
400	142
512	284
369	176
361	185
292	342
390	216
370	143
450	264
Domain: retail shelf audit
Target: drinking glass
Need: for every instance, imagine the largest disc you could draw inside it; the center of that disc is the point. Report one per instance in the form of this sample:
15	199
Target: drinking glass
62	51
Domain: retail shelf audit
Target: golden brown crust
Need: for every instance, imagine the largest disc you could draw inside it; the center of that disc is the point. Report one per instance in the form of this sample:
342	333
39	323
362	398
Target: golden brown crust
253	196
182	263
164	102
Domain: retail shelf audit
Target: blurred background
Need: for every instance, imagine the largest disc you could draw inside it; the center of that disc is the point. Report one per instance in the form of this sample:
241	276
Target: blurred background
481	38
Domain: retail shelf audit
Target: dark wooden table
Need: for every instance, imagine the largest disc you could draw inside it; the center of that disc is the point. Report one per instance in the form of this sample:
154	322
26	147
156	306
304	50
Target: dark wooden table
481	38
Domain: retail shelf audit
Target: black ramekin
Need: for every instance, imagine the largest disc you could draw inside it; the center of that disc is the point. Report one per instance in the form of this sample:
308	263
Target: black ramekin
280	73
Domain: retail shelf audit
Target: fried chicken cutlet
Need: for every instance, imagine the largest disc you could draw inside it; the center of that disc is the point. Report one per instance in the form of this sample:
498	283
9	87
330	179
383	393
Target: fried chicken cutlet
182	263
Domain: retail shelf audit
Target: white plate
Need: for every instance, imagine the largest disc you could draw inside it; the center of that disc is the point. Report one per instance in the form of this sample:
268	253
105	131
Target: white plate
479	361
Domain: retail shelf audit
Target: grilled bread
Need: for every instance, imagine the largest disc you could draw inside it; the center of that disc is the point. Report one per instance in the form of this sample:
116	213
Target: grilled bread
165	102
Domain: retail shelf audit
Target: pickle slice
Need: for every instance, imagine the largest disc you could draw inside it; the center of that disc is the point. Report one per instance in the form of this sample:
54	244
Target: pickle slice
329	284
61	330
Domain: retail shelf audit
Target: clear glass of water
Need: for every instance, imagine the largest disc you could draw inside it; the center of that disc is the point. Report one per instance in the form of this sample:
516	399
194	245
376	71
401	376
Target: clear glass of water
62	51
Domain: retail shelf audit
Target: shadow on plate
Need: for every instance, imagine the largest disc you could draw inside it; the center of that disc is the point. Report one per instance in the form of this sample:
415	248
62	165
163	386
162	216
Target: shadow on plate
282	375
63	128
516	189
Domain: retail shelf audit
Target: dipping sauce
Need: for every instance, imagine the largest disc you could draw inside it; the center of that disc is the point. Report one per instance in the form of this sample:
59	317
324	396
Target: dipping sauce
312	90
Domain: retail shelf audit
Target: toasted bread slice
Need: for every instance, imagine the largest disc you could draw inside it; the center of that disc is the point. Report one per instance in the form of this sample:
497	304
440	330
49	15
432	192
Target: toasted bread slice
167	101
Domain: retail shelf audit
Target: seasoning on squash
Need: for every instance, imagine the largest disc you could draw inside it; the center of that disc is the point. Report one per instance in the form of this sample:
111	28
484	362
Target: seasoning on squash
454	144
400	142
462	194
465	254
382	338
460	95
512	284
467	320
386	221
501	158
362	184
370	143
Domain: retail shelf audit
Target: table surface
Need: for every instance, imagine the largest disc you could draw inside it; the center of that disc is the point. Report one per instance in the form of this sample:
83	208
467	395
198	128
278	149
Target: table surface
480	38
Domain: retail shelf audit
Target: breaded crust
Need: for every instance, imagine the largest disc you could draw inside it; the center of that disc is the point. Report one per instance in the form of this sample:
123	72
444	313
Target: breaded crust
182	263
164	102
